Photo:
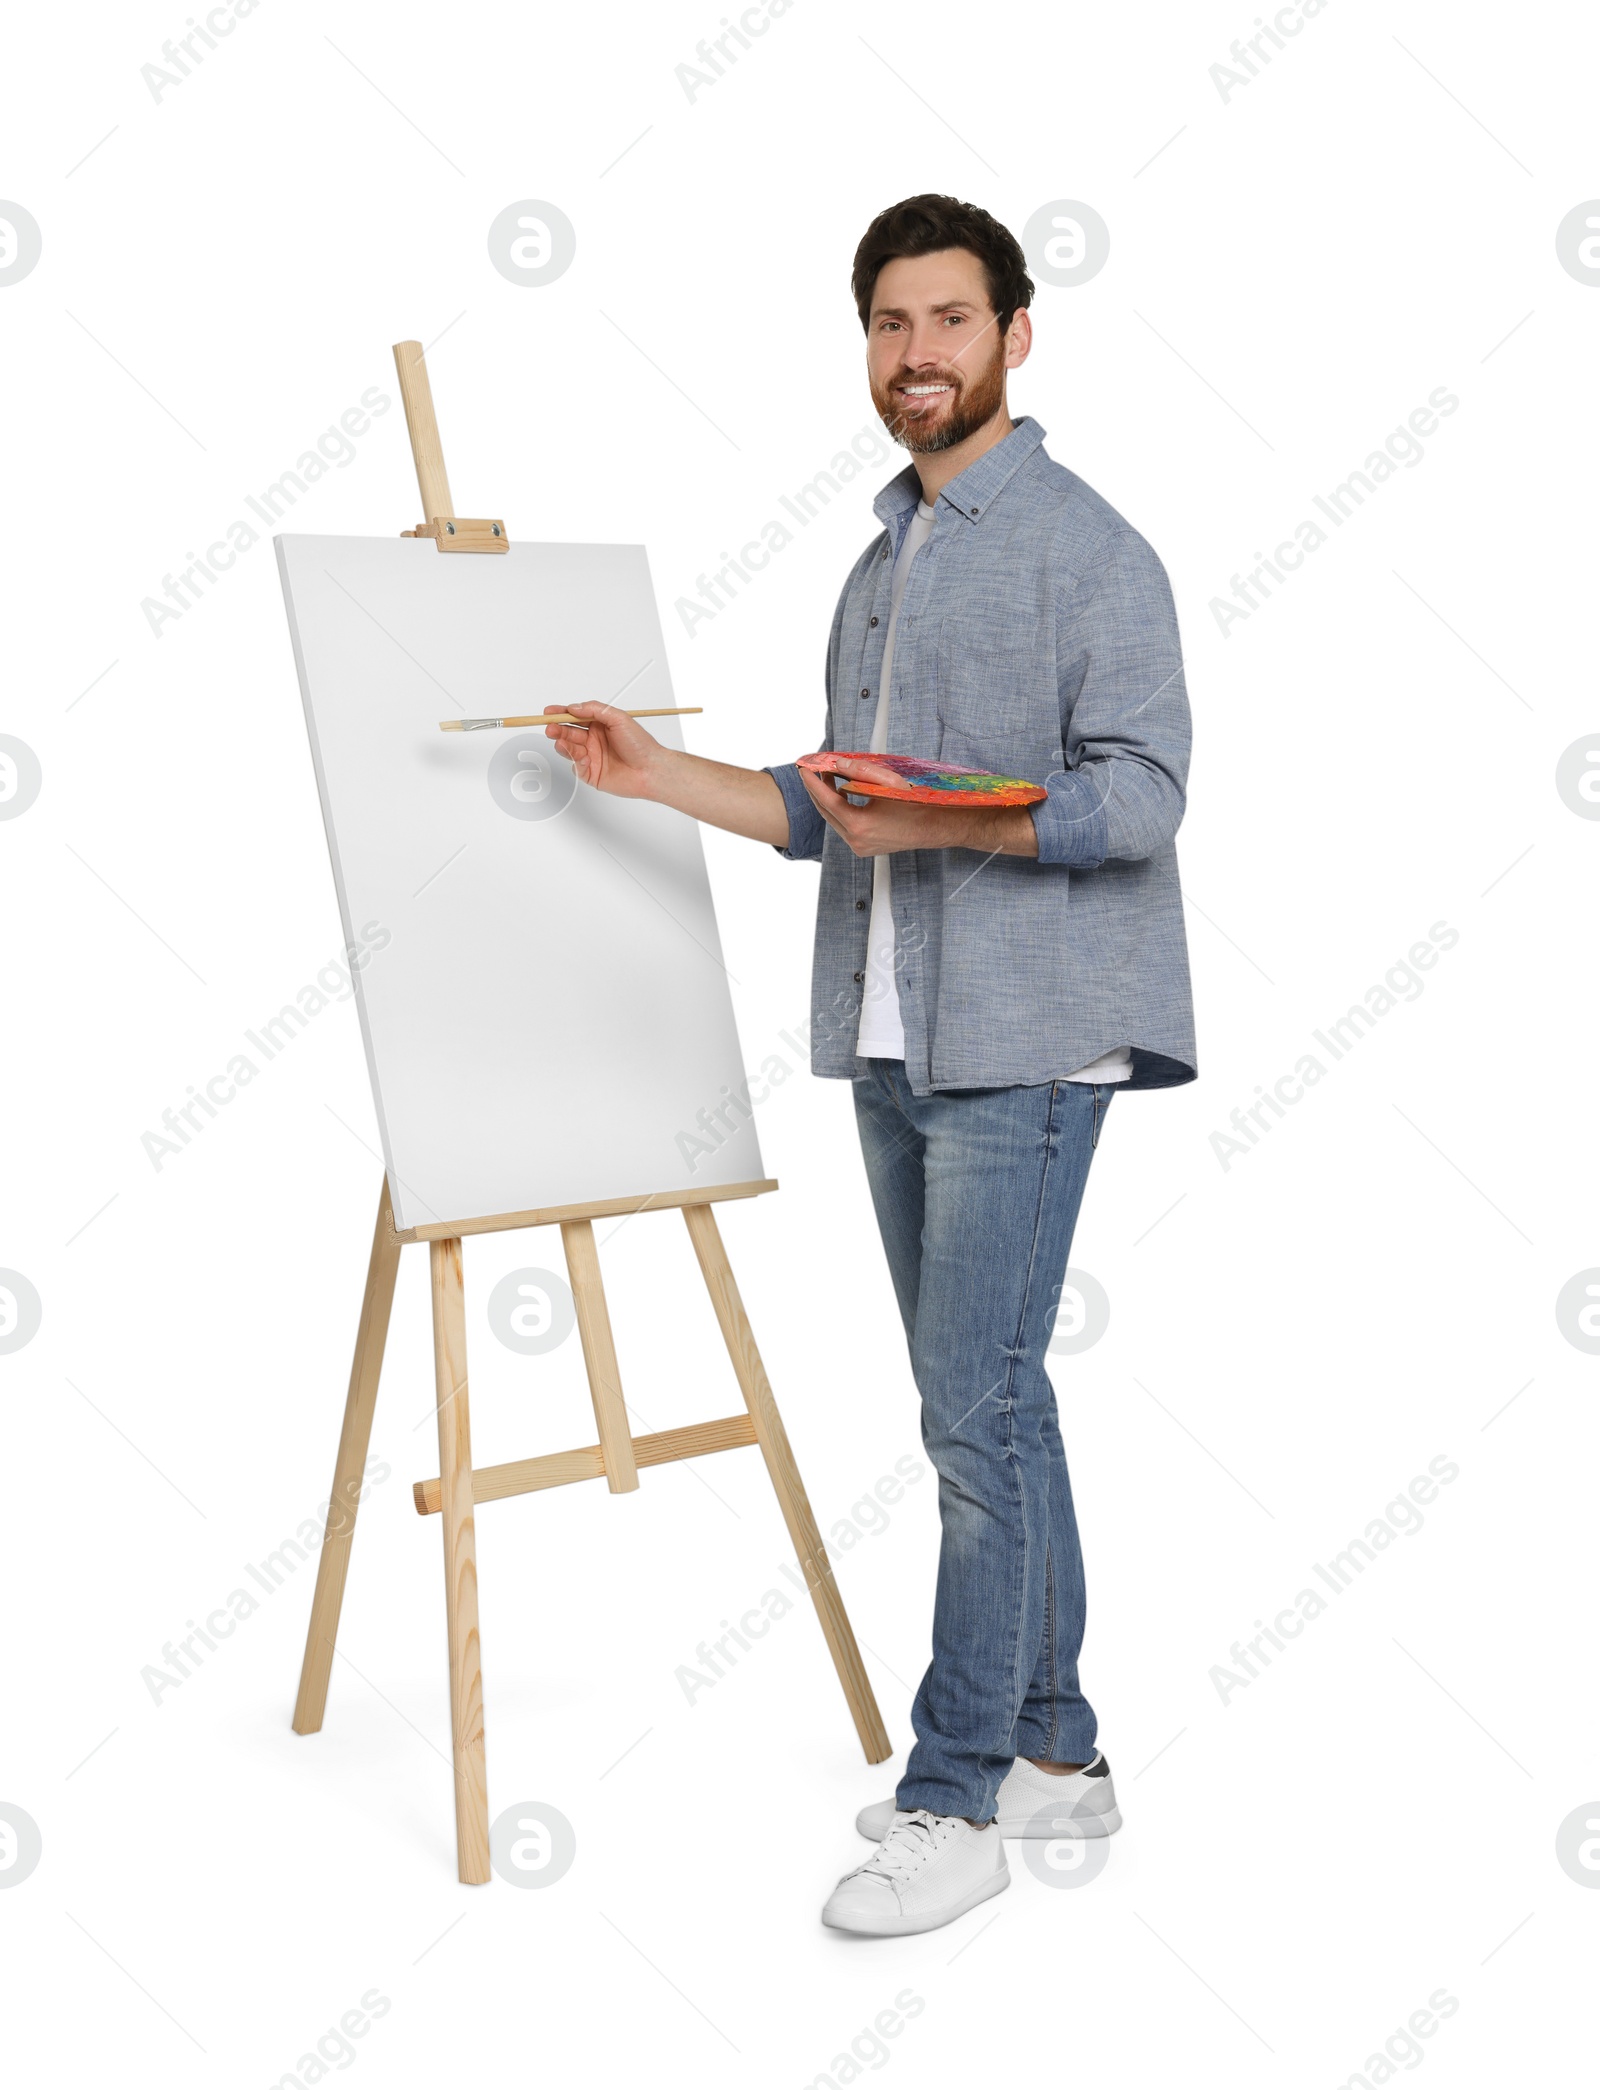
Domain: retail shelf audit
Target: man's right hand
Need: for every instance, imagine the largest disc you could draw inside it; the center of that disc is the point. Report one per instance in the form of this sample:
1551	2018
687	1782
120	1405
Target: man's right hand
614	754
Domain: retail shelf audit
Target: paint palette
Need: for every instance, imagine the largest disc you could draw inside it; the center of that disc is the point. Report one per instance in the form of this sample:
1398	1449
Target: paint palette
923	783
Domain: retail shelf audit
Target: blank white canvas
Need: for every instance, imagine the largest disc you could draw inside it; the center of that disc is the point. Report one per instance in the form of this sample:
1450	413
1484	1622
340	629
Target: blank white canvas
550	1021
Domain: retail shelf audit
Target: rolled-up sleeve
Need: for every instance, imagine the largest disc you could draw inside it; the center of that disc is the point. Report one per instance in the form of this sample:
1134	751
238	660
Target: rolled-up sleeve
806	825
1125	712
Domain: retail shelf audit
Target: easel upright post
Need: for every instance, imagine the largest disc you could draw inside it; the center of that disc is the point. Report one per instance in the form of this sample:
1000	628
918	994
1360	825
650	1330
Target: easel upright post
460	1563
422	424
349	1468
600	1356
785	1477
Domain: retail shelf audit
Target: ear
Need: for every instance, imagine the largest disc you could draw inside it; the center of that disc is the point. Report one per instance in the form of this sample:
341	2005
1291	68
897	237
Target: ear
1019	339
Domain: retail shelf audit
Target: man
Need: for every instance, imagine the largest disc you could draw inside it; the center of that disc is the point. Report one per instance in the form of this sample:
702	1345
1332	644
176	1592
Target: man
987	978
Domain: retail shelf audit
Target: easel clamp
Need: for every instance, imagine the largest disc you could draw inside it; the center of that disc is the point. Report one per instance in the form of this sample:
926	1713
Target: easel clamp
458	533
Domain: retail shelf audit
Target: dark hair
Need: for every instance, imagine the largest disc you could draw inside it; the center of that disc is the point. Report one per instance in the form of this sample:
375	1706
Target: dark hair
930	224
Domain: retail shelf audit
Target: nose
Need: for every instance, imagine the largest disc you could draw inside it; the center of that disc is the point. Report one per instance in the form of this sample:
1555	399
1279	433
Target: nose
923	357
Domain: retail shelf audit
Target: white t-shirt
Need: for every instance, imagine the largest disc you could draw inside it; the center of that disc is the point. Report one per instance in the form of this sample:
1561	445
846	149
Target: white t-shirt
881	1033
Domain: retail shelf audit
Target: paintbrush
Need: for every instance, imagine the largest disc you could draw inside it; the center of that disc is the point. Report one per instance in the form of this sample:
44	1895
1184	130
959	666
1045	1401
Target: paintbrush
556	718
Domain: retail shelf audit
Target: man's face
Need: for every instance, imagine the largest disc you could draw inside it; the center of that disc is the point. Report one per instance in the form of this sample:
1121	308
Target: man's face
936	360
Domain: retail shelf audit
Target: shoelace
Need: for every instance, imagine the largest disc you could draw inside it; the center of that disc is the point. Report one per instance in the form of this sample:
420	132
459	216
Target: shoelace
908	1845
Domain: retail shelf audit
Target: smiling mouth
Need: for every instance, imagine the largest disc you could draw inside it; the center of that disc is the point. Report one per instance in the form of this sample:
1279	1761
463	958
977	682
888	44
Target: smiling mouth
923	395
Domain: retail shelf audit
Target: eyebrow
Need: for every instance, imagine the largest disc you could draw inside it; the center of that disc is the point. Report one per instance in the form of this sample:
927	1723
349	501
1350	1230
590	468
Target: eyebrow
949	305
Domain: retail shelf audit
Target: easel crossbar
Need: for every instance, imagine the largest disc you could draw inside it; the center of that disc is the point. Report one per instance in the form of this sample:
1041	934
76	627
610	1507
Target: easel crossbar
560	1215
558	1469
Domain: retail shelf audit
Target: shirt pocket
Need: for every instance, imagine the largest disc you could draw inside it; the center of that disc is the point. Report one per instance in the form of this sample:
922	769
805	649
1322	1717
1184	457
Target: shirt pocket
997	700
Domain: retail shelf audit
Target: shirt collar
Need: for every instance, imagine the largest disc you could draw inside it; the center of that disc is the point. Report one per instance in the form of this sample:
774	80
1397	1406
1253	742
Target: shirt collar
971	491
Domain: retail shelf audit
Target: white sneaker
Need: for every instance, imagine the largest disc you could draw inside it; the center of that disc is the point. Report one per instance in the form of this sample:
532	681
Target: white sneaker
1077	1803
929	1869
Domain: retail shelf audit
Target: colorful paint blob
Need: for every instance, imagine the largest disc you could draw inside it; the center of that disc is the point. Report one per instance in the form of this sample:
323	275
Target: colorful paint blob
922	783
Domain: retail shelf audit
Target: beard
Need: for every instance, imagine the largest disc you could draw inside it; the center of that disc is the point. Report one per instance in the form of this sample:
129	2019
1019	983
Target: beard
975	400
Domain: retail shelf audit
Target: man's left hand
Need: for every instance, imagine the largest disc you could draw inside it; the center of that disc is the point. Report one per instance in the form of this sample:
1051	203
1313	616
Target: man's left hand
884	826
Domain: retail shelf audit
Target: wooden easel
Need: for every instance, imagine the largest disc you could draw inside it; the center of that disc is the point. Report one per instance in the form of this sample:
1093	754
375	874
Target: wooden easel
619	1454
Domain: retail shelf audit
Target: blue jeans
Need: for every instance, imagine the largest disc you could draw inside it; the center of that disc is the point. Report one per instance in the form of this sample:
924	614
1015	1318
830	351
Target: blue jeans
976	1193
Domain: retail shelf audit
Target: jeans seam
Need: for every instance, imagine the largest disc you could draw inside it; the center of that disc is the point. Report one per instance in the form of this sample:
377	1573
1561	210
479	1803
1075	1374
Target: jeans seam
1050	1652
1018	1685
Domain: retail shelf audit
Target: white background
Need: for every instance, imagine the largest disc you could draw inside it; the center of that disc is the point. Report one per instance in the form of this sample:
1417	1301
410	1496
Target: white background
1292	271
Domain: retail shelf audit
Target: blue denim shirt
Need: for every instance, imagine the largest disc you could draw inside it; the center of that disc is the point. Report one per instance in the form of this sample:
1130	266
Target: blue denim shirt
1036	638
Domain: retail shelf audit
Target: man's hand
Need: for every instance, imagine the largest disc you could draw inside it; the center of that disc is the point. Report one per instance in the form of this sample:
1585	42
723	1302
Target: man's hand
615	754
883	826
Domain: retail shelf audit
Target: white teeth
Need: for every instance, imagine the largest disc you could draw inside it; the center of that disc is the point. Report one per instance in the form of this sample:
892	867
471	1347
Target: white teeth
921	391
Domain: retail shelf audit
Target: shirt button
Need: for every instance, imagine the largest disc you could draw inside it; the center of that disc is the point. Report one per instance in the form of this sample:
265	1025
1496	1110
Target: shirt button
884	553
858	977
861	903
866	692
972	511
872	620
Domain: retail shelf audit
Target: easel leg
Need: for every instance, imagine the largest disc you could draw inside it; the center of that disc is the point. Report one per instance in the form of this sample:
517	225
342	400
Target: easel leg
460	1562
786	1482
600	1355
348	1470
